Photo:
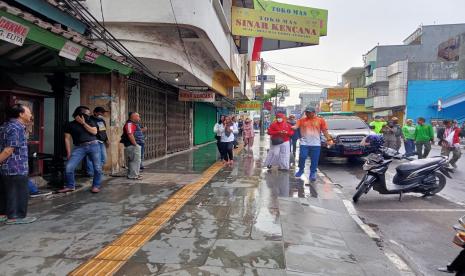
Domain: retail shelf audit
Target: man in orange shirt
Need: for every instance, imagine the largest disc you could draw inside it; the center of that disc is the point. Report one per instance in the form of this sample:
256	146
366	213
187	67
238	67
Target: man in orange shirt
311	127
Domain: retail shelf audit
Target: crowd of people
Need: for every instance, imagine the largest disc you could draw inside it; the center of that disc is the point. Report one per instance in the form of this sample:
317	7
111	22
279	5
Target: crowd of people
86	139
417	139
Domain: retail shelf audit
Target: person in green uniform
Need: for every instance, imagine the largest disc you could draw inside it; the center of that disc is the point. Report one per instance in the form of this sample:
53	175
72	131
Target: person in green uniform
424	137
378	124
408	133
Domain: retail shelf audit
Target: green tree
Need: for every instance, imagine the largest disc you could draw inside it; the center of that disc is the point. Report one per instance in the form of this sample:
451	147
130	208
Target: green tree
277	91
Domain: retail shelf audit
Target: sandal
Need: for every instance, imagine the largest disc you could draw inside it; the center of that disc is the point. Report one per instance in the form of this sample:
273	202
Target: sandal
21	220
66	190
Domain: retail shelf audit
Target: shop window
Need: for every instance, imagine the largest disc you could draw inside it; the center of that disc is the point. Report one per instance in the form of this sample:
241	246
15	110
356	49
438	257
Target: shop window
360	101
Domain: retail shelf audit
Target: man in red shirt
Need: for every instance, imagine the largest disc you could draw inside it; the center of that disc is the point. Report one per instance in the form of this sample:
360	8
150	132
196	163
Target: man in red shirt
132	133
311	126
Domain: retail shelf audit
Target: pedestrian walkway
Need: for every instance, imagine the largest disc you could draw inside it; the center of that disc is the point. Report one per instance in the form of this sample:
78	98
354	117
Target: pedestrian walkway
245	221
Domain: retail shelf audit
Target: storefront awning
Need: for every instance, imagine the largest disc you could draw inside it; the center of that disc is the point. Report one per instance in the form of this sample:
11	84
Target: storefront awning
453	100
67	44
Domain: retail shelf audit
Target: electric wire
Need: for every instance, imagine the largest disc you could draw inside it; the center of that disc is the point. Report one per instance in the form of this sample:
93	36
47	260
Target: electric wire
308	68
99	32
316	84
182	42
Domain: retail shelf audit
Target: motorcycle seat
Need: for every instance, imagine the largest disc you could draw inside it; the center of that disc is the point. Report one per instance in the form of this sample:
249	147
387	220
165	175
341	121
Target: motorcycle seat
411	166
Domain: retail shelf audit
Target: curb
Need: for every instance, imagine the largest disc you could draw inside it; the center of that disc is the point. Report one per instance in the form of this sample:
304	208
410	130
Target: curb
396	260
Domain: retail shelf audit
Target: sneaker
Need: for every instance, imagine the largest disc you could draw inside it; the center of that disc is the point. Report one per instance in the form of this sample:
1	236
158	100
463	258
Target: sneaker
299	173
25	220
40	193
66	190
3	218
445	269
313	177
95	190
269	167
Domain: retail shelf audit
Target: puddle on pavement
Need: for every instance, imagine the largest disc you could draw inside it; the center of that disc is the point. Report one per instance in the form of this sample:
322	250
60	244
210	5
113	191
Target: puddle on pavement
284	184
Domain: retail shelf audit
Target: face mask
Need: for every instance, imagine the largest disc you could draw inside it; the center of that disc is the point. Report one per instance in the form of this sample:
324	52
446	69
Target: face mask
100	116
279	120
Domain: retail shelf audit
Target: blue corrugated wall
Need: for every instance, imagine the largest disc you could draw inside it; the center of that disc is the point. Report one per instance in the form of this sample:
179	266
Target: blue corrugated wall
422	95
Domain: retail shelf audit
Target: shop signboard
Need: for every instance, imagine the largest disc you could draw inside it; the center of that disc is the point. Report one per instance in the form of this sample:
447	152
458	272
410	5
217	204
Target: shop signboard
266	78
188	96
338	94
90	56
70	50
13	32
248	105
256	23
288	9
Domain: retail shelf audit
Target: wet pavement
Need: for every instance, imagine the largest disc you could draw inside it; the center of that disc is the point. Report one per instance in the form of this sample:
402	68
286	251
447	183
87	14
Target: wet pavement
414	226
245	221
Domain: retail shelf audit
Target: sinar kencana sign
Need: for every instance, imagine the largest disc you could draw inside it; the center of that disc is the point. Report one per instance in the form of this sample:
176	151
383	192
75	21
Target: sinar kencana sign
256	23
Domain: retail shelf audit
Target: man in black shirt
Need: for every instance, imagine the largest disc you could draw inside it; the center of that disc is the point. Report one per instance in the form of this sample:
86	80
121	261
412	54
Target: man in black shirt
83	133
102	138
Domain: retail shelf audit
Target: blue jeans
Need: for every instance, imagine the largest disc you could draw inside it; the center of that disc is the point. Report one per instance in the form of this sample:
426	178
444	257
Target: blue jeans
142	151
409	147
314	152
103	159
79	153
32	187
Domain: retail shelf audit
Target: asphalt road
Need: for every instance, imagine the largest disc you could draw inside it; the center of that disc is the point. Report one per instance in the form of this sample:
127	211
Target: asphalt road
418	229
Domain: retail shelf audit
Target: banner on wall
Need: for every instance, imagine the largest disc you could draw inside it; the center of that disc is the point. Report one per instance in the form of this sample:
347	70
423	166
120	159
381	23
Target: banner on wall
12	31
256	23
248	105
341	94
188	96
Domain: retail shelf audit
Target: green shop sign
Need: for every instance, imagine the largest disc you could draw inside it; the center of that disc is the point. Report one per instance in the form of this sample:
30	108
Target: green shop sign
272	6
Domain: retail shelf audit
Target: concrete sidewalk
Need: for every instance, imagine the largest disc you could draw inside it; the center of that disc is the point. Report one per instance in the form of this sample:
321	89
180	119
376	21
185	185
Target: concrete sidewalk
244	221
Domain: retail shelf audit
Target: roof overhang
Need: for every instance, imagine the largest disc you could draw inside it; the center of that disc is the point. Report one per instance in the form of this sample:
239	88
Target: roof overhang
52	38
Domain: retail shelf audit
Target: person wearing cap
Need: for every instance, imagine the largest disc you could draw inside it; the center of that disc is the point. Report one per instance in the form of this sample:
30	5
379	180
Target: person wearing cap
408	133
98	119
82	132
311	126
392	133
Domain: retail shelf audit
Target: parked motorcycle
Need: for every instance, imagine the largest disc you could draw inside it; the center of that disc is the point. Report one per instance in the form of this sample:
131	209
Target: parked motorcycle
458	265
425	176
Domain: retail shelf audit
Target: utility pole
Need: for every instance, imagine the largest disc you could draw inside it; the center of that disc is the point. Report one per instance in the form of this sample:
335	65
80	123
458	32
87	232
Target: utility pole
262	92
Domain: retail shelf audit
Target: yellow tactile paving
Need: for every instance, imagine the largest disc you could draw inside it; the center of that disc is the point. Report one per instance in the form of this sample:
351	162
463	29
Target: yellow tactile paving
143	229
117	253
111	258
97	267
131	240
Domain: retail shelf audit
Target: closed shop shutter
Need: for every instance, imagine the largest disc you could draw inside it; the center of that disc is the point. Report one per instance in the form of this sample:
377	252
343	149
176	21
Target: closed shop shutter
204	121
179	124
167	120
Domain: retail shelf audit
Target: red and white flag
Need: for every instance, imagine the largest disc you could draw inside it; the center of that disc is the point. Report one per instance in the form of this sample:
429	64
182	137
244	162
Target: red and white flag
254	48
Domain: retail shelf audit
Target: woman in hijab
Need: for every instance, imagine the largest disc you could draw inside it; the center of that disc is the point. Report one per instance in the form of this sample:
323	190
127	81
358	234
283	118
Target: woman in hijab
248	134
280	132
